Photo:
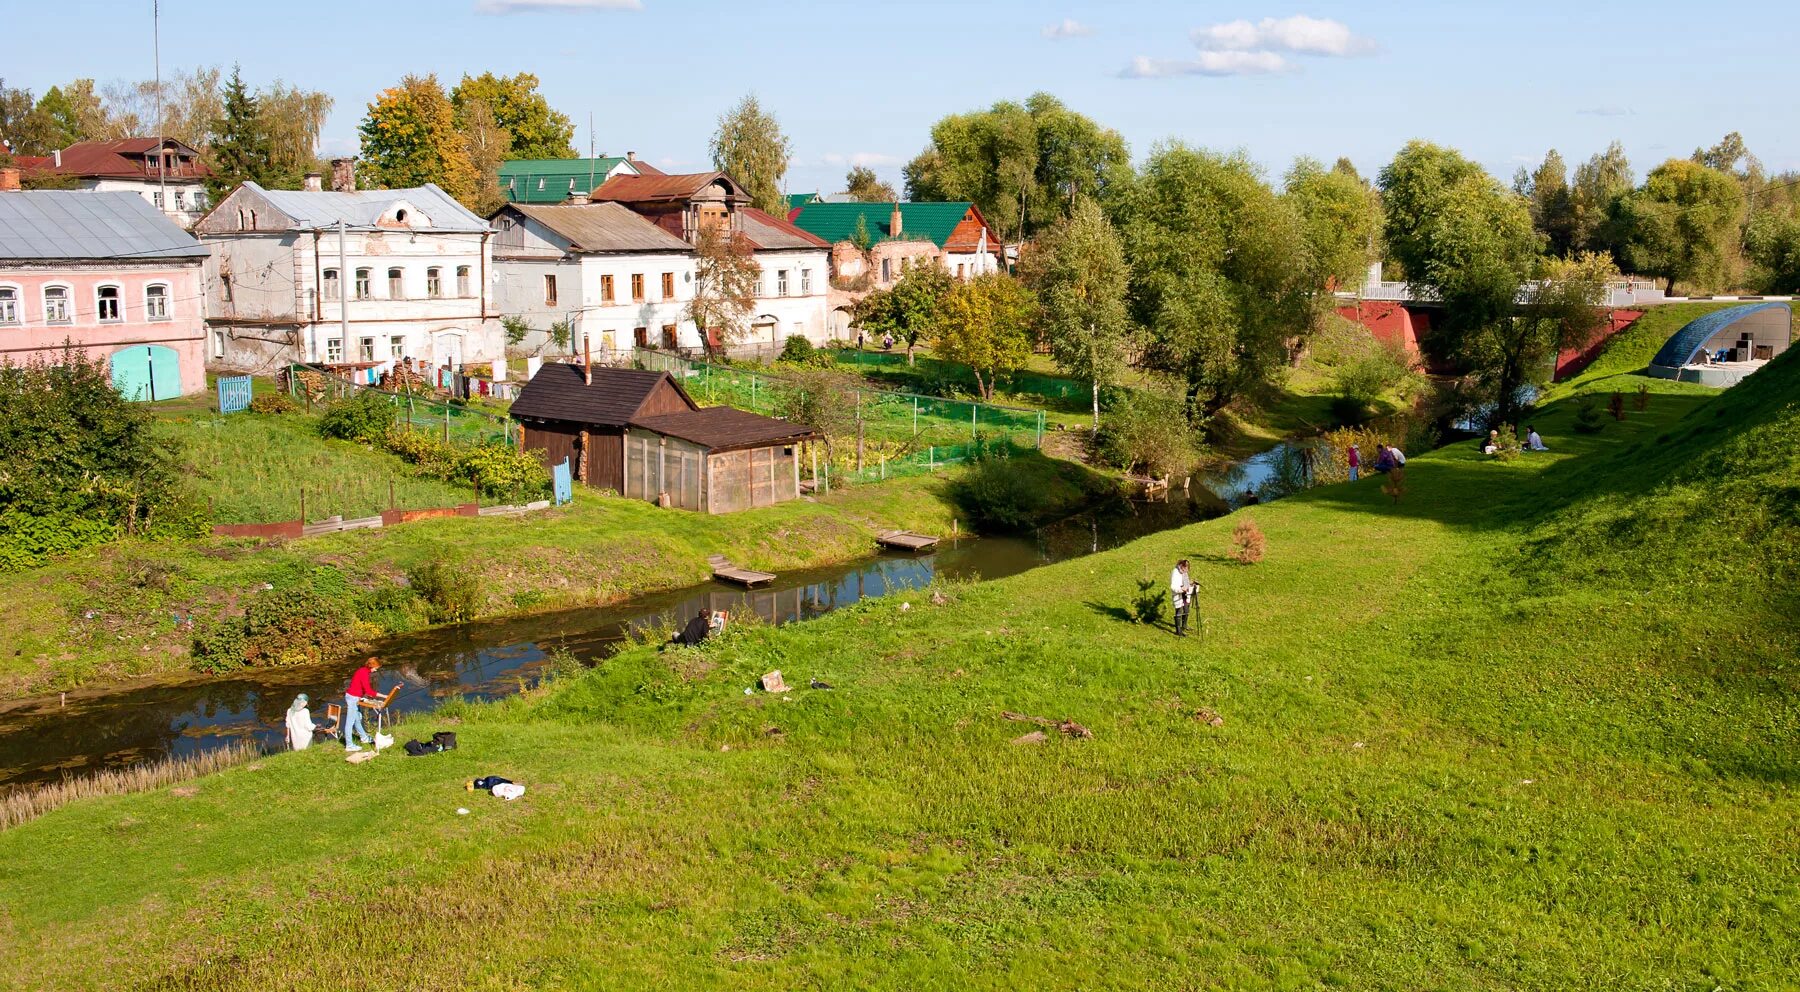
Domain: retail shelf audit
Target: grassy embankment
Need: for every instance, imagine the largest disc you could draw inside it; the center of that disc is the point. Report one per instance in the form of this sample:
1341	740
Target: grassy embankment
1534	726
128	609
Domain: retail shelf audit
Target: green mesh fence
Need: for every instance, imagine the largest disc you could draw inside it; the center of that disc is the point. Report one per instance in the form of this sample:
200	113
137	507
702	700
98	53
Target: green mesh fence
895	423
459	424
1053	389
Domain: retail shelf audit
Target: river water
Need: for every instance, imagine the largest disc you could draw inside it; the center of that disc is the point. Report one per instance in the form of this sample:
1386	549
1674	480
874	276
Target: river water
45	738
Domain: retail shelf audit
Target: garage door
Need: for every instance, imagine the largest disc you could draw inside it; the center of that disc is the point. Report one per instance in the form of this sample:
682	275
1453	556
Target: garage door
147	372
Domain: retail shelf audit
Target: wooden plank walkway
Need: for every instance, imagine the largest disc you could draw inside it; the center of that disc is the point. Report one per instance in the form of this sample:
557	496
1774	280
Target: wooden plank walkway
905	540
746	577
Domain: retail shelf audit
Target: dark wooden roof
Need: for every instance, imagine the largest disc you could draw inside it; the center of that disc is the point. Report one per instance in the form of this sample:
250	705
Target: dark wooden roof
557	392
724	428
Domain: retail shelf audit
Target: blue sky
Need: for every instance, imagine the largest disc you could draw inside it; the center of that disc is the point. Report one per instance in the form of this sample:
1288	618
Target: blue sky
864	82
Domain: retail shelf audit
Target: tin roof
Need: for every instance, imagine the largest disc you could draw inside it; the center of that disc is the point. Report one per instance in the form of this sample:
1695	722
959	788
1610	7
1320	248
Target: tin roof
127	158
366	208
663	188
769	232
551	180
724	428
44	224
835	222
602	227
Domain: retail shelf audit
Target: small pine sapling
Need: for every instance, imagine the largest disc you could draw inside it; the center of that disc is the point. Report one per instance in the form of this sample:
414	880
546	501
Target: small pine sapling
1616	405
1587	415
1508	448
1249	541
1395	486
1641	401
1152	596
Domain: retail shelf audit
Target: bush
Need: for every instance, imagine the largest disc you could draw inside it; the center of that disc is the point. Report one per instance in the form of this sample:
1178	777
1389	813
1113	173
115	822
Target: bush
1616	405
391	609
294	626
273	403
27	540
797	350
1587	414
365	418
1641	401
995	497
433	455
503	473
451	595
516	328
1507	447
1348	411
220	647
1248	542
1152	597
1149	433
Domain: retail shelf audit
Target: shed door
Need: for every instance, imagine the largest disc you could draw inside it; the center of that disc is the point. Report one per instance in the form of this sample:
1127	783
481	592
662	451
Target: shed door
146	372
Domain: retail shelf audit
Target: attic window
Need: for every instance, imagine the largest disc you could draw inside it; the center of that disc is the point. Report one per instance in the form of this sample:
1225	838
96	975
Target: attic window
540	184
400	215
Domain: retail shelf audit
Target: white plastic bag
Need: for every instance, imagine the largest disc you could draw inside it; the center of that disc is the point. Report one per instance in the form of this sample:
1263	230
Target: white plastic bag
508	791
383	741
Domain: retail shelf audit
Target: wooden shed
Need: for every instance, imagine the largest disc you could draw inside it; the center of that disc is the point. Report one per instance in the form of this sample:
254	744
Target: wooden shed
567	416
714	460
639	434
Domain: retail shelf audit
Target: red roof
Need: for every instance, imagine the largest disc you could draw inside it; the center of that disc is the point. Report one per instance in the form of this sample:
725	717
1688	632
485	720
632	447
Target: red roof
128	158
648	189
785	234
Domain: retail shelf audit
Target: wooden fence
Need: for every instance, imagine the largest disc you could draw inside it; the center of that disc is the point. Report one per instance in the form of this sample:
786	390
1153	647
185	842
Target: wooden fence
294	529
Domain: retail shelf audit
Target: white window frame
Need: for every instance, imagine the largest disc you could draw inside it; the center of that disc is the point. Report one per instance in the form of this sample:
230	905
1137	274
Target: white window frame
781	282
464	285
366	348
68	301
334	351
396	283
150	311
331	282
18	305
805	282
118	299
396	346
365	283
434	282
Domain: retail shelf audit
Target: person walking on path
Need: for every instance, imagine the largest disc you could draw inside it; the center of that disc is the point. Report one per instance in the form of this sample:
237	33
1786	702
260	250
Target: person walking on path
362	686
1354	458
1181	591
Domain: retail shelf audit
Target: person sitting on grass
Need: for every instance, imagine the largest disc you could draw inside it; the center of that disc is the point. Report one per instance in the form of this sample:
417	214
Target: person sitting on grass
1384	458
299	724
1532	441
698	629
1492	444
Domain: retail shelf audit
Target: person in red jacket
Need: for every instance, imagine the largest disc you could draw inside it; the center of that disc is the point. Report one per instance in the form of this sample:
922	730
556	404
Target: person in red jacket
1354	457
362	686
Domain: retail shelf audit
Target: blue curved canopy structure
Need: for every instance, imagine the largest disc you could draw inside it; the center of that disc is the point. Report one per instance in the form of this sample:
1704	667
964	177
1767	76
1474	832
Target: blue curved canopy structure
1684	344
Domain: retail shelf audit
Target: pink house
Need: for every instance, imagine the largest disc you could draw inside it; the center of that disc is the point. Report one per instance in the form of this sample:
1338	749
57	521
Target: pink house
108	273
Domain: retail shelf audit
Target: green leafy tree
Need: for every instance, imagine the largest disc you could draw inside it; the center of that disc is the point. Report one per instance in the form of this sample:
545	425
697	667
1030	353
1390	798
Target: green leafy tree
1600	184
1414	187
985	323
486	144
860	236
862	183
292	119
908	311
1551	201
1222	274
513	104
1025	166
1683	224
23	126
750	148
1342	217
725	280
1079	272
1772	243
409	138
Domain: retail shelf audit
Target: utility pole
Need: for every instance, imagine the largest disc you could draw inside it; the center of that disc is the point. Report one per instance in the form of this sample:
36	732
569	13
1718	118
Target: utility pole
346	284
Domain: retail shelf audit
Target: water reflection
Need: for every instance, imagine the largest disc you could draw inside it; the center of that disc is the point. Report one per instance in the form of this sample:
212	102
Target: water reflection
42	739
1280	471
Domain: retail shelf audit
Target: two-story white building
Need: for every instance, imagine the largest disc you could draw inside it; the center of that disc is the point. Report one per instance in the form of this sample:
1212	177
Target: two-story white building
347	278
167	173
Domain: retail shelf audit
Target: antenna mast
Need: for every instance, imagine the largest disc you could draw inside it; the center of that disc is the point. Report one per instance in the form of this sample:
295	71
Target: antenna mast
162	161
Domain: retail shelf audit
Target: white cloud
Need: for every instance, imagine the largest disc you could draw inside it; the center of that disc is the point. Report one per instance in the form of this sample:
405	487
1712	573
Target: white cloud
1606	112
1298	34
867	159
552	6
1068	27
1208	64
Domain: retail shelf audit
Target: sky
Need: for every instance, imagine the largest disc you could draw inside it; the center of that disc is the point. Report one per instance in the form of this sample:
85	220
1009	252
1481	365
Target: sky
863	83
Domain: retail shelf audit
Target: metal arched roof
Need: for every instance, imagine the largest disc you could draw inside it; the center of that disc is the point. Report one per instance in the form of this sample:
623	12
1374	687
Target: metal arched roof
1682	345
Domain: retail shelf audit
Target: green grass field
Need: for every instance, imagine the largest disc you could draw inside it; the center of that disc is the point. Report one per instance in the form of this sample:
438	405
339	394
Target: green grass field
1531	727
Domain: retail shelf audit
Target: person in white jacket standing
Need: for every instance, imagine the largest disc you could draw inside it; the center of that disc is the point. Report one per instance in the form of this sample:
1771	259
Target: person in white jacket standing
1181	591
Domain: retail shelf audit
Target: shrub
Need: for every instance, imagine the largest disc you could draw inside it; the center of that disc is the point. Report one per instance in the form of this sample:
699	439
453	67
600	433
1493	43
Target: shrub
294	626
516	328
797	350
1147	432
1587	414
365	418
1152	597
390	609
273	403
433	455
1616	405
1349	411
1641	401
1248	542
995	497
29	540
503	473
451	595
220	647
1507	447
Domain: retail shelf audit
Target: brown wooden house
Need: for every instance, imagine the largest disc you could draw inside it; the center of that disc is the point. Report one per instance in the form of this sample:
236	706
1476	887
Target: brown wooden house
639	434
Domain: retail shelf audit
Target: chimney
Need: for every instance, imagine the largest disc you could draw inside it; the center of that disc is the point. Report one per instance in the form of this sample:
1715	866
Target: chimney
9	180
579	195
314	182
343	175
631	156
56	158
894	221
587	362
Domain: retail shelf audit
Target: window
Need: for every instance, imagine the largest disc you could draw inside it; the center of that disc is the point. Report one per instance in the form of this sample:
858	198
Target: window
396	285
9	305
668	285
462	281
362	284
333	288
781	282
368	349
606	289
668	337
887	271
178	198
397	346
199	200
805	282
56	305
156	198
334	350
550	290
637	287
218	343
156	302
434	282
225	287
640	336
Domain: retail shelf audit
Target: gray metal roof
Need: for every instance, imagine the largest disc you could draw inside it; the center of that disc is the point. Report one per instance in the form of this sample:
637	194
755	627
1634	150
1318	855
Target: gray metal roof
45	224
365	208
603	227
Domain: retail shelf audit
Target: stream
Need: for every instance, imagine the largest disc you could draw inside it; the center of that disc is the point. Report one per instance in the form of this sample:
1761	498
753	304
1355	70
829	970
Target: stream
45	738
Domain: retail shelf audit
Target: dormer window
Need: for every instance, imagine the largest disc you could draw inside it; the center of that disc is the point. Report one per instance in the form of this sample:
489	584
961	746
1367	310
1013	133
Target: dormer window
400	215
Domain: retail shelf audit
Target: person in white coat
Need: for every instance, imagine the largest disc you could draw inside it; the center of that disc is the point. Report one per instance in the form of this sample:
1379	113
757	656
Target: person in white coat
1181	591
299	724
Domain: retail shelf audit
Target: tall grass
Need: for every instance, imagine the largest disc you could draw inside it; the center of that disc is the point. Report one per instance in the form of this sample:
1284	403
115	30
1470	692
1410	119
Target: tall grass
31	803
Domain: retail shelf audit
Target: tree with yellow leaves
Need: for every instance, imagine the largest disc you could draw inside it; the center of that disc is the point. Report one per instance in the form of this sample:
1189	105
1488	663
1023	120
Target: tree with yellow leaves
409	138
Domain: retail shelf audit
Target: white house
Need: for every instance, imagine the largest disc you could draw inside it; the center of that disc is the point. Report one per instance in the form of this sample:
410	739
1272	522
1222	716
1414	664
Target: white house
173	181
792	298
405	272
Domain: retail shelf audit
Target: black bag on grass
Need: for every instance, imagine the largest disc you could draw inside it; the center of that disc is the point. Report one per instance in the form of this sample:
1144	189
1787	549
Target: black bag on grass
415	749
445	740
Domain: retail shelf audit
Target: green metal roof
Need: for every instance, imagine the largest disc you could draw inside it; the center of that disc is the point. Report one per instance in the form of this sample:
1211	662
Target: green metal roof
837	221
795	200
546	180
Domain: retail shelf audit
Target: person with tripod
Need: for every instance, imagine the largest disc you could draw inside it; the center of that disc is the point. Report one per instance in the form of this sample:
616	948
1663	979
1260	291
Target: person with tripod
1181	592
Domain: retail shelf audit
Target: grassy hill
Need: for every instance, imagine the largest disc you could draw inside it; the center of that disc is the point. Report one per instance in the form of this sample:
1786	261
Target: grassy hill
1532	726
